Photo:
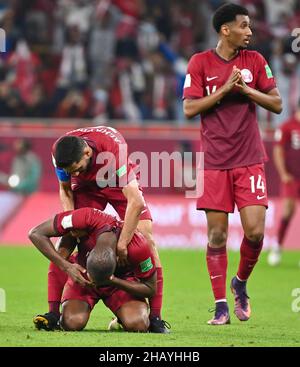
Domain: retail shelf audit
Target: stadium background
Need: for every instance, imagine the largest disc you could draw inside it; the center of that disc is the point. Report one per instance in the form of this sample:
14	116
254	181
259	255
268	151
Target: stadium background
75	63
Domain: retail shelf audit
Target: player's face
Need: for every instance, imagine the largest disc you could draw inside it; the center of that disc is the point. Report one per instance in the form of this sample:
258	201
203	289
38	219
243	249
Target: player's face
78	167
240	33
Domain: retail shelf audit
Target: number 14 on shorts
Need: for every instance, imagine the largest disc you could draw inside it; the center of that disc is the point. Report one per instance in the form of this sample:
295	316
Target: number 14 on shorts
257	183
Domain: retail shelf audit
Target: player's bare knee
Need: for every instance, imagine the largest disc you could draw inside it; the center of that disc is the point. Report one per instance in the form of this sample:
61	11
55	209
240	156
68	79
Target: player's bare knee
217	237
138	324
255	235
73	322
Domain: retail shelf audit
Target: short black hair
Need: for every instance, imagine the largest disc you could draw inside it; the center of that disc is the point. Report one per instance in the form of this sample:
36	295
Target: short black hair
227	13
68	150
101	264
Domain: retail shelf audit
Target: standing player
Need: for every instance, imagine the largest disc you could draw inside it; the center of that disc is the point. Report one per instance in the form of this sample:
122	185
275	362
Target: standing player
287	162
123	293
223	85
93	170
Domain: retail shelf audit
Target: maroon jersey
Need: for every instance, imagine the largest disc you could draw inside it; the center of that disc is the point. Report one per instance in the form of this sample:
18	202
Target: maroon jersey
109	150
96	222
288	136
229	131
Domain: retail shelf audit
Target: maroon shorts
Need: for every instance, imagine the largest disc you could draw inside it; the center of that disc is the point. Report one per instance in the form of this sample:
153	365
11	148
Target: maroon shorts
112	297
243	186
291	189
96	198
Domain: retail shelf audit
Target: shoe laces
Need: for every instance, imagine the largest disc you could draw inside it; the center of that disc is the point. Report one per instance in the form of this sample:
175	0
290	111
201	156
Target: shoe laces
162	323
166	324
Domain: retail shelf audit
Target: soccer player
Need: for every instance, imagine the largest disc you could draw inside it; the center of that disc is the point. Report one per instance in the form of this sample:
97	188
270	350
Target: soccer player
87	180
122	288
287	161
223	85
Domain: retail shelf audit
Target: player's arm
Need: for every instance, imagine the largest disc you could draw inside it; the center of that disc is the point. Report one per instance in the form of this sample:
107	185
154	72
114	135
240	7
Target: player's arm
270	101
135	206
279	161
65	190
144	288
65	245
40	237
193	107
66	195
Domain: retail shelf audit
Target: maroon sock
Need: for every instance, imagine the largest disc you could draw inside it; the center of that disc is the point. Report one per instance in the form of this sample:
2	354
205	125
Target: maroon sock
156	301
216	260
283	226
56	282
249	253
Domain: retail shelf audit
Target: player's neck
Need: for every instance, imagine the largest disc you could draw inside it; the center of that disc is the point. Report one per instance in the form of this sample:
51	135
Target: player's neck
225	51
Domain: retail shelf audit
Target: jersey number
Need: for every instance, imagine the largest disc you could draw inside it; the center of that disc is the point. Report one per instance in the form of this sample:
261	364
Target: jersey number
260	185
214	88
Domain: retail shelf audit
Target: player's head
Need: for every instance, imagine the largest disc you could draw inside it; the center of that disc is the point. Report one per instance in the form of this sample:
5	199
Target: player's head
232	23
72	154
102	260
22	146
101	264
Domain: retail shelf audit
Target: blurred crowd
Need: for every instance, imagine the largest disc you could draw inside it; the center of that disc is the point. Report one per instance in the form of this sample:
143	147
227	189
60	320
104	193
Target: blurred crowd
125	59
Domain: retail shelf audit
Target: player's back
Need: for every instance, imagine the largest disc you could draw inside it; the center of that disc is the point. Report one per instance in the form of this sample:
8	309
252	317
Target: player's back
109	152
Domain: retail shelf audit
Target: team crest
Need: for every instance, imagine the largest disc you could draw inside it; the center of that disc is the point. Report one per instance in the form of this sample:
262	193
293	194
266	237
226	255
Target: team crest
247	75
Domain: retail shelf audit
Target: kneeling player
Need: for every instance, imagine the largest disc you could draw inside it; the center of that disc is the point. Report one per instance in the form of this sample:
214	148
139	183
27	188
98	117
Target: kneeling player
90	225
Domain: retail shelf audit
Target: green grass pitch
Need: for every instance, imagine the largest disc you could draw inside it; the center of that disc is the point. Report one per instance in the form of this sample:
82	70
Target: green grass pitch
187	298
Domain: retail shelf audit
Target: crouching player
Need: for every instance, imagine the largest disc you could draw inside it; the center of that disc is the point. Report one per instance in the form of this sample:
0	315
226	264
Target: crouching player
122	289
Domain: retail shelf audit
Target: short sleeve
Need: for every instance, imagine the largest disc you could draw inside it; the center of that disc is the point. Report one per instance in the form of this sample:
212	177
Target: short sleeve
73	219
140	257
265	79
193	85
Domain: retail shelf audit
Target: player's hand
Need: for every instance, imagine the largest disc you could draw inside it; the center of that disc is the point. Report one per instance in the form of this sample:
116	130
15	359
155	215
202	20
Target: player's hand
286	178
76	271
233	79
122	253
242	86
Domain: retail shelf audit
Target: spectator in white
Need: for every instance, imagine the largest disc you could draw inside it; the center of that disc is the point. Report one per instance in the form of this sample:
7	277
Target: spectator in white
102	37
76	13
73	67
25	172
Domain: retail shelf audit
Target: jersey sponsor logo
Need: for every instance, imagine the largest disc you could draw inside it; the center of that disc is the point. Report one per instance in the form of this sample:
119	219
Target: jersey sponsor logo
67	222
268	72
146	265
211	78
122	171
247	75
188	81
